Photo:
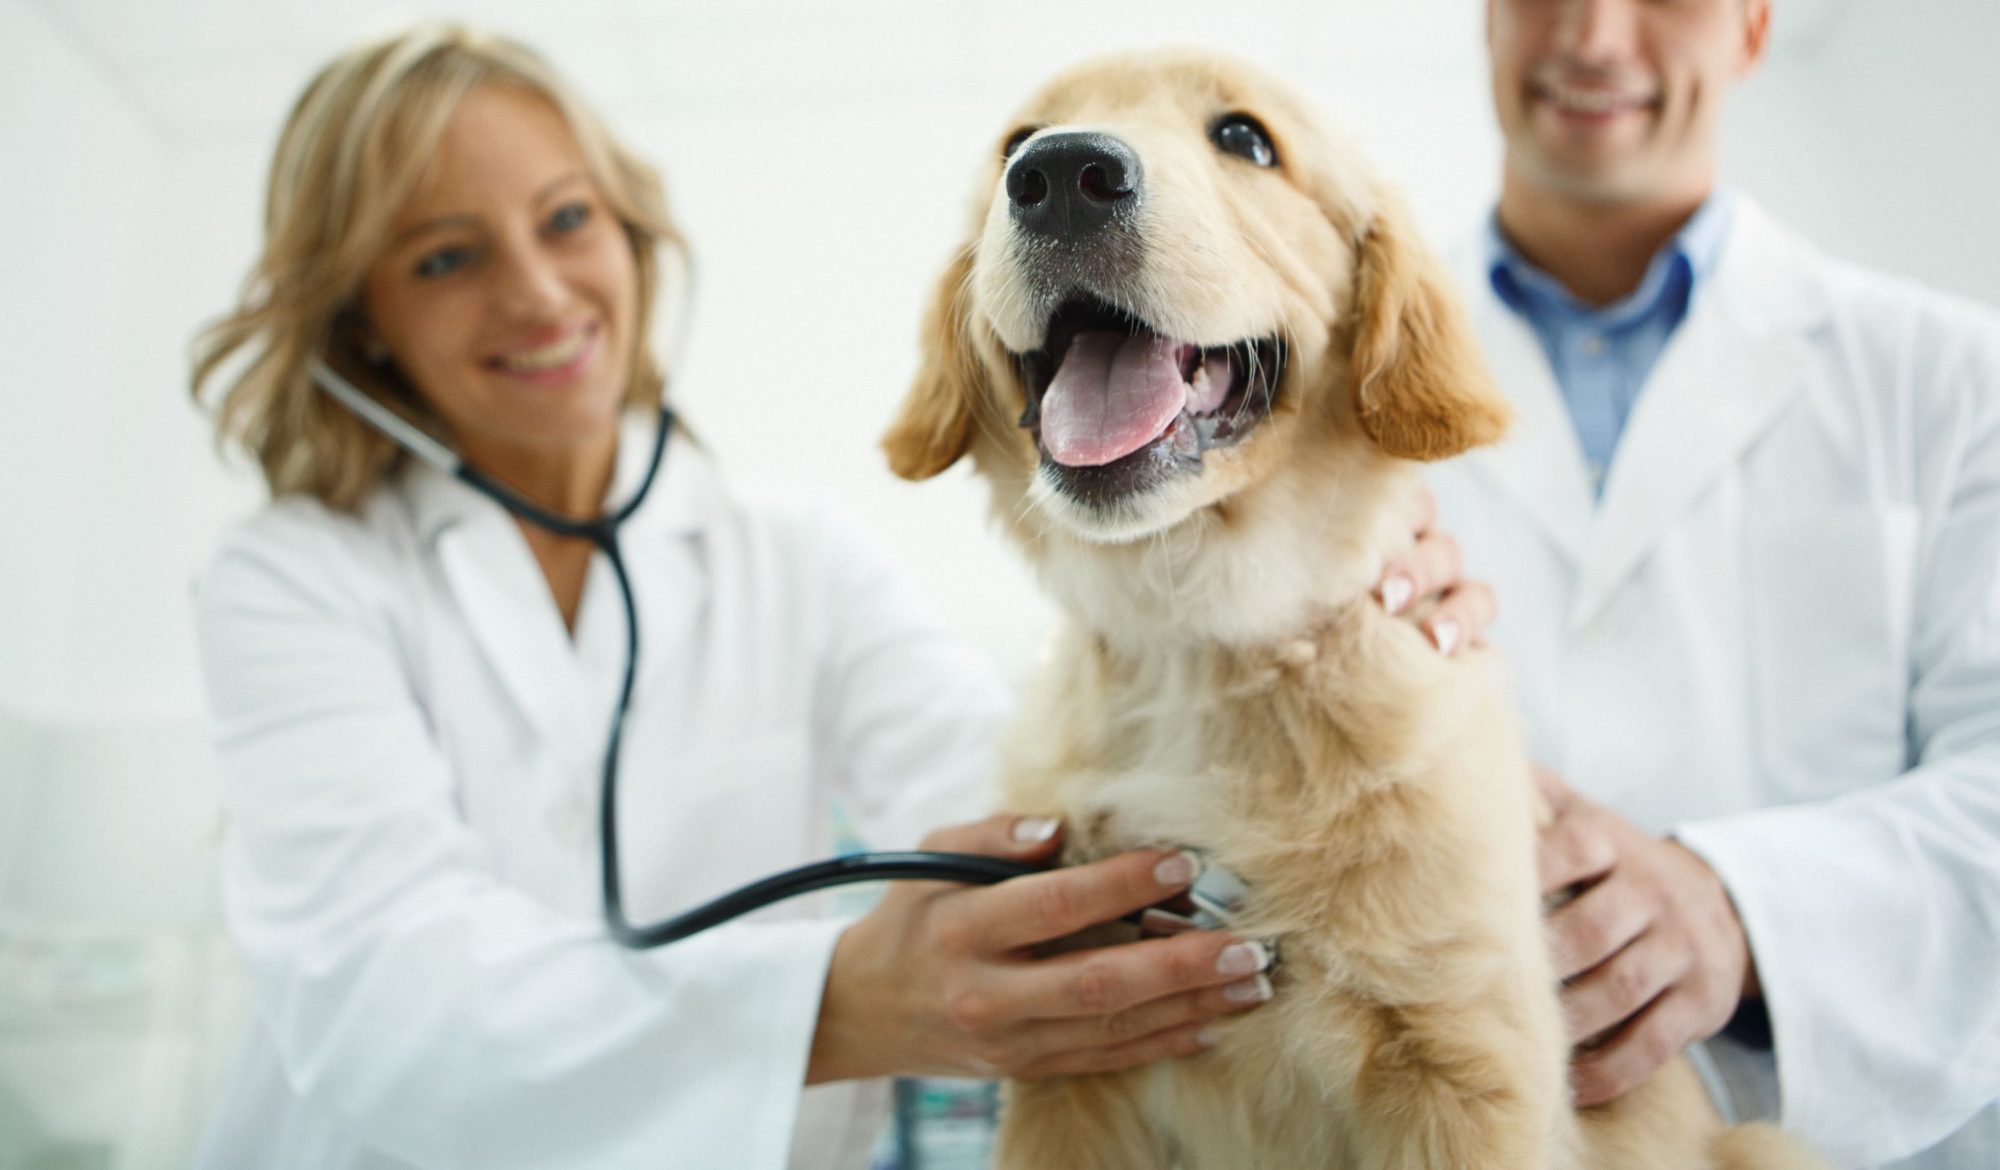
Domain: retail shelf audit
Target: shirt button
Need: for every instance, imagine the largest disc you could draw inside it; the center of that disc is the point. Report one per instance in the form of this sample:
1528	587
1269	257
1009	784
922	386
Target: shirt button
1593	346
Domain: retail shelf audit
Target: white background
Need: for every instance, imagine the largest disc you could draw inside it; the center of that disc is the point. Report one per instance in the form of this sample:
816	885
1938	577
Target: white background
821	158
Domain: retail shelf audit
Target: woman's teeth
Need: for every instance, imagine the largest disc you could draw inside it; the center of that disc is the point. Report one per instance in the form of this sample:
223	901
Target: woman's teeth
548	357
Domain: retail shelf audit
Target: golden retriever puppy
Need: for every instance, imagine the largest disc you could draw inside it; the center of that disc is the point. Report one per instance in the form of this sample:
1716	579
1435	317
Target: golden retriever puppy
1193	346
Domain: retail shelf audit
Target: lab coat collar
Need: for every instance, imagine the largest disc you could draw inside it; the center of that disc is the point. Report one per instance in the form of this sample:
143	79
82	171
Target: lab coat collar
564	685
1538	465
1739	357
680	501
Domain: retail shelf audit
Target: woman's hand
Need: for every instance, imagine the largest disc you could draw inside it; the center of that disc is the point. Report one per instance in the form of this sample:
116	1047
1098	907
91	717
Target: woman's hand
942	979
1426	583
1649	948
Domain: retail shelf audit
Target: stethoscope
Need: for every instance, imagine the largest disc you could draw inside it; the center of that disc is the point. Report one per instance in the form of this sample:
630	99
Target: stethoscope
602	531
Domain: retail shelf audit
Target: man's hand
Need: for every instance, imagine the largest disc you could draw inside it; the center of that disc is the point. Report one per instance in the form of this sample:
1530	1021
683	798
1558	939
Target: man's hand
1649	948
1427	583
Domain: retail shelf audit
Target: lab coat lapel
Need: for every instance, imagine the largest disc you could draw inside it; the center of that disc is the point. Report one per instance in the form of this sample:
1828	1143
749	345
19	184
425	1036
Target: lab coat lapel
560	685
1733	365
492	575
1538	466
662	545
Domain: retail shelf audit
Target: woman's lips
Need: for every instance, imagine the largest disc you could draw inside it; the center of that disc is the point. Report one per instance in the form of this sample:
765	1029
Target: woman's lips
552	362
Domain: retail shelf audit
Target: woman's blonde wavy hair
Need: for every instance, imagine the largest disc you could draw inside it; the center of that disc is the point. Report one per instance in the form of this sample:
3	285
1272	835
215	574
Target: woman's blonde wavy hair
353	151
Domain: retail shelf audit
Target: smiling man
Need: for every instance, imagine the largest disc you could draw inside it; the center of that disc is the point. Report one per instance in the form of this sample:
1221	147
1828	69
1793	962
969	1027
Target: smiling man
1745	538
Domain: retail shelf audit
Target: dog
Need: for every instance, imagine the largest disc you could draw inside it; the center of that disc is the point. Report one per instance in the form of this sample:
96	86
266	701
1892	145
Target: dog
1196	350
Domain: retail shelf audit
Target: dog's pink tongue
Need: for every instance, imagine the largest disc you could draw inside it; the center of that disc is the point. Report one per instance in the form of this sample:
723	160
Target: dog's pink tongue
1112	395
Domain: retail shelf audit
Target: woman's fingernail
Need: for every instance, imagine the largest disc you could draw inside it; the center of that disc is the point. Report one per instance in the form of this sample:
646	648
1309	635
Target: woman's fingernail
1207	1037
1446	633
1255	990
1244	958
1179	870
1035	830
1396	590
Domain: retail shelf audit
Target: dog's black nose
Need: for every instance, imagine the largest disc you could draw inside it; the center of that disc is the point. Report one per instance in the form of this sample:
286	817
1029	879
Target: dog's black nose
1070	185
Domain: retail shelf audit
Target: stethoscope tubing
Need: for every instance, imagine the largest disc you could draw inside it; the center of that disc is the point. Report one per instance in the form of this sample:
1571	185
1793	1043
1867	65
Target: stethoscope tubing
963	868
602	531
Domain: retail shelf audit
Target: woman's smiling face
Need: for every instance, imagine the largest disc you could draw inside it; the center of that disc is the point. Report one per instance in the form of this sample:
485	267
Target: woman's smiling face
508	292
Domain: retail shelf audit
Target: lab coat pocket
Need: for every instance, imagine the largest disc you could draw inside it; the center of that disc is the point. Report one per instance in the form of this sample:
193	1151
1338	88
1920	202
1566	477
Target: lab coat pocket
1829	610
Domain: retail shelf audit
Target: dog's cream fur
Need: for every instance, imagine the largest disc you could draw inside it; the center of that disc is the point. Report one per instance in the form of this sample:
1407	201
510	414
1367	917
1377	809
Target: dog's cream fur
1226	682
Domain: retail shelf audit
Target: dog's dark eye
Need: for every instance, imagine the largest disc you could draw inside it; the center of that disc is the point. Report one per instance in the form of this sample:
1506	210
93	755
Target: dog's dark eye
1244	137
1015	140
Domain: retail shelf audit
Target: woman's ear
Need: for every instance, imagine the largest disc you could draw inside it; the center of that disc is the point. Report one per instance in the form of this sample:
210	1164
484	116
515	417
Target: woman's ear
933	427
1420	387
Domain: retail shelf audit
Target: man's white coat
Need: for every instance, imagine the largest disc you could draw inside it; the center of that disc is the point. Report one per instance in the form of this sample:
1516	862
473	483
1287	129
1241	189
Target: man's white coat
1778	636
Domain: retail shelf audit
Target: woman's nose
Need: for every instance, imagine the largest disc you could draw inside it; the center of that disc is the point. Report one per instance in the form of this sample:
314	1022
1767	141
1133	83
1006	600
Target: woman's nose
531	283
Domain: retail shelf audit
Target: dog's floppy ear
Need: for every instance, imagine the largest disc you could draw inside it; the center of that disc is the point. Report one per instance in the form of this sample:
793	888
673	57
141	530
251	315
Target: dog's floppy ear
933	428
1420	387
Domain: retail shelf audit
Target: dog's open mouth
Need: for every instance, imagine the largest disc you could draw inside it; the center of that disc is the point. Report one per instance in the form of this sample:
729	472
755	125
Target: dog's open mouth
1108	394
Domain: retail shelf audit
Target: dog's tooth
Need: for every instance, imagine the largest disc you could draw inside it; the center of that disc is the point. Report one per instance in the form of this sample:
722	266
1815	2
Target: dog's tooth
1211	384
1198	391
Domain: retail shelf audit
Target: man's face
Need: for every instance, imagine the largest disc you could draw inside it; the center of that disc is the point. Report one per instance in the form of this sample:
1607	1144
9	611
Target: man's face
1617	100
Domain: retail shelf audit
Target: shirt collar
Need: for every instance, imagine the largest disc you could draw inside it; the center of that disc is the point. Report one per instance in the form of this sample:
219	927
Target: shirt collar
681	500
1692	251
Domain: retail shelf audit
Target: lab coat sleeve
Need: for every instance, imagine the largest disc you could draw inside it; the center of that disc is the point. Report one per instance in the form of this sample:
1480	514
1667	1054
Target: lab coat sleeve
1875	918
908	709
448	1017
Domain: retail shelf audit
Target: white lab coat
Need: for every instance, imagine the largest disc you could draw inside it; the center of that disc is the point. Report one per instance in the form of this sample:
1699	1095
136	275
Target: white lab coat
411	744
1778	636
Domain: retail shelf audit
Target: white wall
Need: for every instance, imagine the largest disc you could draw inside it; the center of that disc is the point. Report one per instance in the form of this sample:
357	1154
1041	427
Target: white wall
1880	139
83	171
106	807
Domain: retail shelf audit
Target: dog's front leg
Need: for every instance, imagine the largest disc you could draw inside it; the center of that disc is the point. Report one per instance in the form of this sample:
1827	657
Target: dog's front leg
1078	1123
1457	1086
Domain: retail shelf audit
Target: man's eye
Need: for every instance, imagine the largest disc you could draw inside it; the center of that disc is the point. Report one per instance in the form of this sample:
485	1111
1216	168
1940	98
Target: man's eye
569	217
443	262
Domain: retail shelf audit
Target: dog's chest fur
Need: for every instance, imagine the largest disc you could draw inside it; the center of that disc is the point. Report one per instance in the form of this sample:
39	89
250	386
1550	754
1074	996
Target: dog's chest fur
1273	759
1331	773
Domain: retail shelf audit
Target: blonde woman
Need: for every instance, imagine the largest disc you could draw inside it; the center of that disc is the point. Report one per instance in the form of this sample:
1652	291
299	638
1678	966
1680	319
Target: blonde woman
411	689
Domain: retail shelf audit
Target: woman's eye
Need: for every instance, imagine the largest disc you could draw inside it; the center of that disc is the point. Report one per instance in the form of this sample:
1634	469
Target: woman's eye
1244	137
569	217
443	262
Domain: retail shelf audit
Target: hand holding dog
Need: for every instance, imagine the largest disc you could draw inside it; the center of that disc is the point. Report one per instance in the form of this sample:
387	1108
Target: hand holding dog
941	979
1429	574
1650	951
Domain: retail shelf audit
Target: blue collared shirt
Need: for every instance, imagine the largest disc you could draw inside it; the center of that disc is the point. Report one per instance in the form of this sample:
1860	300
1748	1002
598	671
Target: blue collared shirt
1601	357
